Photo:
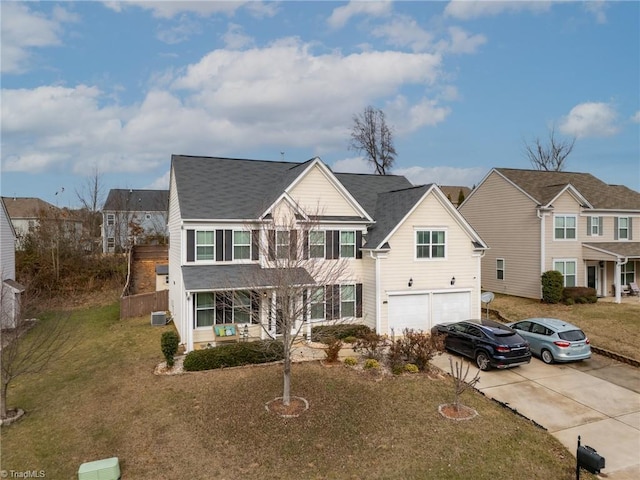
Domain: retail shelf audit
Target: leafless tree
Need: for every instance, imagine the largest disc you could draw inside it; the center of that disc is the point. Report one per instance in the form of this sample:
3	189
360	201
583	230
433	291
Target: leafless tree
301	282
549	156
371	135
28	348
91	196
460	383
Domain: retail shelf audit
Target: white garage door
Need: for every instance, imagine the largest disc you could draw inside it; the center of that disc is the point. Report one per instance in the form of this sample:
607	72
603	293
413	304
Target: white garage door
451	307
408	311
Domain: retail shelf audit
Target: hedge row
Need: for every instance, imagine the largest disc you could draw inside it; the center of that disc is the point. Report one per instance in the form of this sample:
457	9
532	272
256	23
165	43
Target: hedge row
234	355
322	333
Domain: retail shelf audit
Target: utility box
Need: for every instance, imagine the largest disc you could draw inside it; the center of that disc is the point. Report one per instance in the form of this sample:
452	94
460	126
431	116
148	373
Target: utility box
589	459
158	318
107	469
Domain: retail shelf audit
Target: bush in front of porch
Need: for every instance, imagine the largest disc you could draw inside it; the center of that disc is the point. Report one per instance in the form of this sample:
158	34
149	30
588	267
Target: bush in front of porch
234	355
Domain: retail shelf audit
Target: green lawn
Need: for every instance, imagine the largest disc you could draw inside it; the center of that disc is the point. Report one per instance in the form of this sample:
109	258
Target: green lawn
612	326
102	400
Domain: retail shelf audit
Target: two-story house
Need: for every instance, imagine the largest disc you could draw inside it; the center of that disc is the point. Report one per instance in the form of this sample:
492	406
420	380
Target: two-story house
410	259
537	221
130	217
10	290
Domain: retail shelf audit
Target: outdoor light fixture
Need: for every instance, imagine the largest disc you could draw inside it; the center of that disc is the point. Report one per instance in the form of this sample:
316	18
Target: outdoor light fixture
453	280
410	282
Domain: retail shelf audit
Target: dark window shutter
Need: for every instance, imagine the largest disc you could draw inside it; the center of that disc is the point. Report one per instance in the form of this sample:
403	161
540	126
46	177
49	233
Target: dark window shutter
255	243
194	302
335	308
601	226
305	305
336	244
358	300
630	223
219	302
615	228
191	245
588	226
328	291
228	245
328	251
358	244
305	245
219	245
255	307
271	234
293	244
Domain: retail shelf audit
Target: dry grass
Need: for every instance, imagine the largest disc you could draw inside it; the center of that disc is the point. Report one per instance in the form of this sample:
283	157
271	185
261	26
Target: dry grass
612	326
102	400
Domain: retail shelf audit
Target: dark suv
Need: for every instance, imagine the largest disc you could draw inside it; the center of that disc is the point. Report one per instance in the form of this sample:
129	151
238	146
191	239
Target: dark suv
489	343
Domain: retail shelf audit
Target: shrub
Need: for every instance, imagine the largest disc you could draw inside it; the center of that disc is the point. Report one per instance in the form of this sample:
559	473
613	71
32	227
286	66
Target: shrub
350	339
397	369
169	344
579	295
414	347
552	286
411	368
322	333
569	301
371	345
371	363
350	361
234	354
332	350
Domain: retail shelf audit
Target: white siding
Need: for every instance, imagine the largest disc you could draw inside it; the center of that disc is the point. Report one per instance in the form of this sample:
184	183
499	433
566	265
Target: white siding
176	288
7	247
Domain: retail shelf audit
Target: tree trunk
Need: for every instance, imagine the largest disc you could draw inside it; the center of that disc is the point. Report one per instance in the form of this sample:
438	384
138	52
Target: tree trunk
3	399
286	390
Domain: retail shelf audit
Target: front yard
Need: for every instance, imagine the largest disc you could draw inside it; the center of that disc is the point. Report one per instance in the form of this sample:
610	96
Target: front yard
102	400
614	327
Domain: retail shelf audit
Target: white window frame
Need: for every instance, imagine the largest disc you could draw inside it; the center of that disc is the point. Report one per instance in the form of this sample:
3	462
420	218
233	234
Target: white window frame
344	244
564	262
343	289
205	245
430	245
111	242
595	226
111	219
282	245
317	300
627	273
621	229
239	308
318	233
197	309
565	228
500	268
241	245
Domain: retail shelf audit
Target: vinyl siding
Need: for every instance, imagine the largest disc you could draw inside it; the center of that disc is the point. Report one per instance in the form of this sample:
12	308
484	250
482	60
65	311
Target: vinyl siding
557	249
7	248
506	219
176	239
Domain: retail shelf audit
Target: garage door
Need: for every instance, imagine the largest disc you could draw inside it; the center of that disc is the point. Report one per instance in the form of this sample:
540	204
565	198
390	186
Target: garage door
450	307
408	311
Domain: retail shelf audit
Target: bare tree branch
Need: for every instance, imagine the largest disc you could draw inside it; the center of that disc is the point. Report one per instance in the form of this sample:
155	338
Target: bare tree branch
550	156
372	136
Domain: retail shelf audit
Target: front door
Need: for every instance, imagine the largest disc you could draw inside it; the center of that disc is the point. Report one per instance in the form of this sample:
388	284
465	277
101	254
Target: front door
592	276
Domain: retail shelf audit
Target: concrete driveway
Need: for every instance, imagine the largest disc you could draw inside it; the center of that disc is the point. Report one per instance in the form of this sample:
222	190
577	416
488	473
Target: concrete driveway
598	399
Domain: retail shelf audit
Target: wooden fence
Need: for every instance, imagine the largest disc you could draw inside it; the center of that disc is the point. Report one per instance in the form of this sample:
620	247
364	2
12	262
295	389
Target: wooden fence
144	304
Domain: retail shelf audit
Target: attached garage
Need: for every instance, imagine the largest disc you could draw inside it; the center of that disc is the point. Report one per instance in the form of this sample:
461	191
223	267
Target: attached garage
421	311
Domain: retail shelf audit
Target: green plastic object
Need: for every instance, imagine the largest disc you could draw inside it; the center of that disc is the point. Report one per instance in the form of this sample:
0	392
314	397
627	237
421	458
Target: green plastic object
107	469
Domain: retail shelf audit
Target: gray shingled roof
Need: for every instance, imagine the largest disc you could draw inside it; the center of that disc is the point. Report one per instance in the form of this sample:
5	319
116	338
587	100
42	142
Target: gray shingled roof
121	199
621	249
391	208
27	207
366	188
230	277
543	186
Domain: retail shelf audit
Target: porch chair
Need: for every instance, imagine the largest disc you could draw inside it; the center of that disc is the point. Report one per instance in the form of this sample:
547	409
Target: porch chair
633	289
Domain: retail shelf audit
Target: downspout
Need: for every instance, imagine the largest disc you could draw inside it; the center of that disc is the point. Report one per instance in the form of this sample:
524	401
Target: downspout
543	251
616	280
377	290
188	325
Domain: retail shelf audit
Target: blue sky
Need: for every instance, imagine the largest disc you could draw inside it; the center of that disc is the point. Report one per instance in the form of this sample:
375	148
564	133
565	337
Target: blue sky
117	87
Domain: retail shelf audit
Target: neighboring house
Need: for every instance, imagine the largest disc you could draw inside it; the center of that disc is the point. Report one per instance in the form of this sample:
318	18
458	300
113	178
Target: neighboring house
27	213
131	217
455	193
535	221
412	260
9	289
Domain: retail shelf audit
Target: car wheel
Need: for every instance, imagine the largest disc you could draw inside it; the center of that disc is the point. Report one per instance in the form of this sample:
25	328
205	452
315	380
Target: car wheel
482	360
546	356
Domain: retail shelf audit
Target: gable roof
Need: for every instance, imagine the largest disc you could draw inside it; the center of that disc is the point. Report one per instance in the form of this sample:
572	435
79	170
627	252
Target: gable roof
26	207
452	192
7	219
122	199
544	187
365	188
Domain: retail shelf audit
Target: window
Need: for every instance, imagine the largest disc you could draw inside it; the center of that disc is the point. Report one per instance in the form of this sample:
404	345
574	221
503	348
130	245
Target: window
565	227
111	242
282	244
594	227
241	245
430	244
111	219
628	273
347	301
317	244
500	268
166	279
623	228
316	304
205	245
205	309
348	244
242	307
568	270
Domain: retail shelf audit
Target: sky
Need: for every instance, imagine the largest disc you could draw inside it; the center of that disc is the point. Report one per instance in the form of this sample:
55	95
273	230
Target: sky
116	88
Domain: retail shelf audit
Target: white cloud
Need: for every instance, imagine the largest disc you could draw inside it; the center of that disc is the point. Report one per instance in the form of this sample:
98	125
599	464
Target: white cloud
442	175
469	9
404	31
636	117
160	183
23	30
235	38
341	15
169	9
352	165
590	119
179	32
598	9
462	42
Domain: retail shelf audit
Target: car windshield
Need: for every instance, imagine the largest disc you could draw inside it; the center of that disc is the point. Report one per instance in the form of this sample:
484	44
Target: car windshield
572	335
503	333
